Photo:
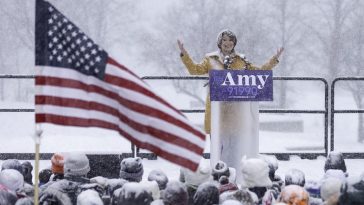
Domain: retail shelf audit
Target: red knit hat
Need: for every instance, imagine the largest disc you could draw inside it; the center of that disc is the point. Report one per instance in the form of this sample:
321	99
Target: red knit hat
57	163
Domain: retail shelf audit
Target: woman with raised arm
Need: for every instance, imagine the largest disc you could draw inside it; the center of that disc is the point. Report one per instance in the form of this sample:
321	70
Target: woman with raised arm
229	147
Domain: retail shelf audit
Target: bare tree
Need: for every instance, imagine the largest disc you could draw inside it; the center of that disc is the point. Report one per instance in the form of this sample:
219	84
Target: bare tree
354	61
13	48
106	22
288	32
101	20
196	23
330	26
252	32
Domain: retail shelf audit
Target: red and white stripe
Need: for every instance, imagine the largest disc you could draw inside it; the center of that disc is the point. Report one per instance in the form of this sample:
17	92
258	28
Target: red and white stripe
122	102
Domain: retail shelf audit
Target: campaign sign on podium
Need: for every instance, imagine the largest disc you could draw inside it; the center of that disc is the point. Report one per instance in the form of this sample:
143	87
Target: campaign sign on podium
241	85
235	96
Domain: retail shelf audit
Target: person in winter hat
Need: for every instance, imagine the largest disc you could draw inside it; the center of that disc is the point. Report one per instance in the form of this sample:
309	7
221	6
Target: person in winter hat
160	177
76	164
206	194
7	198
294	195
131	169
44	176
315	188
335	160
193	179
330	190
57	168
220	169
12	179
175	193
12	164
133	193
27	169
225	185
89	197
273	166
295	176
255	174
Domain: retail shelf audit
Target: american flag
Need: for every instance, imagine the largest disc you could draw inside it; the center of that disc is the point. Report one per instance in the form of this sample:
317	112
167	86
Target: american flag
78	84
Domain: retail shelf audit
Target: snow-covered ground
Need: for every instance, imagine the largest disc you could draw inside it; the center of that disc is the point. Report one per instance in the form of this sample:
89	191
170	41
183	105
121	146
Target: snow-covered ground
16	130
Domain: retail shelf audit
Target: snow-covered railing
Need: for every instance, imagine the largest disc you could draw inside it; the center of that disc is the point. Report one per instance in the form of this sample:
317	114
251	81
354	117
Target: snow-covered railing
284	155
334	111
29	156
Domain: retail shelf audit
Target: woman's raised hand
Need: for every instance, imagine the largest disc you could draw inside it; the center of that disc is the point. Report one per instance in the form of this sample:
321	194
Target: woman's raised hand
181	47
279	52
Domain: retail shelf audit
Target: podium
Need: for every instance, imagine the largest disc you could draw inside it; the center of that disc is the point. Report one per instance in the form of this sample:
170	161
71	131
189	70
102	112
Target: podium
235	96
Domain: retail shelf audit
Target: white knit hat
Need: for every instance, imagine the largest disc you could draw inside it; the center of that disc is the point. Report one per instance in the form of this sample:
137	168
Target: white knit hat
76	164
202	174
255	173
12	179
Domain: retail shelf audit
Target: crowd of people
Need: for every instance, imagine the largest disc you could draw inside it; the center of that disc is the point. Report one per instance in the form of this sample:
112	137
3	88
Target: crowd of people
66	183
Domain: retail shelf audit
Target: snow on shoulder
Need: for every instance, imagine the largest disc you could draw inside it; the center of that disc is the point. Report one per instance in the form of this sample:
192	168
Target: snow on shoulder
135	193
89	197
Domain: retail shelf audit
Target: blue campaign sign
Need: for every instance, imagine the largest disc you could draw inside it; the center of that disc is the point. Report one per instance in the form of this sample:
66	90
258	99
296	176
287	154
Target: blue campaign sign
241	85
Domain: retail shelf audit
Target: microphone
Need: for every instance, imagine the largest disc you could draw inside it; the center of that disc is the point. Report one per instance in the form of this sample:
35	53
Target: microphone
227	62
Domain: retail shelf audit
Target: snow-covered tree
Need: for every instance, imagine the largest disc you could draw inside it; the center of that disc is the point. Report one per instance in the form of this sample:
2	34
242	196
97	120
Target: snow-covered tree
329	22
354	63
287	31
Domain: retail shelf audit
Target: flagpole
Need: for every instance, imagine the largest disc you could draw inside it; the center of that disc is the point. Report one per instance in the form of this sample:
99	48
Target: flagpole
37	137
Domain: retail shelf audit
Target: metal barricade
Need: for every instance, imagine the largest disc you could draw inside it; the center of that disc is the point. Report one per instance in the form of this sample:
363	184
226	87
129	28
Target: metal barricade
283	156
351	155
45	156
27	156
